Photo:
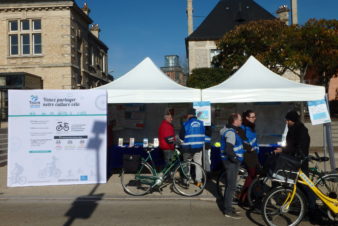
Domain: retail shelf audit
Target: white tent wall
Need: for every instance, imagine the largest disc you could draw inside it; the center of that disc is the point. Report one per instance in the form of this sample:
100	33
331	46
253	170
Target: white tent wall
270	122
151	115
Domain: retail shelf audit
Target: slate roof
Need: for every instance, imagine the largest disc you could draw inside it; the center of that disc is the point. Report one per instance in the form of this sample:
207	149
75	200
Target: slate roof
225	16
31	1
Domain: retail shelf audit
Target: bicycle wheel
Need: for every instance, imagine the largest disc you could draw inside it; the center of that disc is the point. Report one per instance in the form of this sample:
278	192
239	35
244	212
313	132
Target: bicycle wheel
257	191
137	183
328	185
185	181
274	210
221	179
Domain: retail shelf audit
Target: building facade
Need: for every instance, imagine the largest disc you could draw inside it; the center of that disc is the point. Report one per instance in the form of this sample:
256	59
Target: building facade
173	69
54	40
201	43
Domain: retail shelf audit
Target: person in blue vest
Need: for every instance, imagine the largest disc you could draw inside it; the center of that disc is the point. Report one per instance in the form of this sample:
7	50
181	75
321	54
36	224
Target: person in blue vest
252	149
231	152
192	134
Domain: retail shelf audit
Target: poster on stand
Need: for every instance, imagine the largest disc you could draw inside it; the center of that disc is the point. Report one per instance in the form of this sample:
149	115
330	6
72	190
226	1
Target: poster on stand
56	137
203	112
318	111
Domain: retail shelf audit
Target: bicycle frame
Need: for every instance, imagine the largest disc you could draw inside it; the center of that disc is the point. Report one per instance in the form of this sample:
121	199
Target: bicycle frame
157	176
331	203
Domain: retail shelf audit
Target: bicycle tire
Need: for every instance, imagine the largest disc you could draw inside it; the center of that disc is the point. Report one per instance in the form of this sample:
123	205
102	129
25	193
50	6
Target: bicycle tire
328	185
257	191
185	183
272	207
133	185
220	183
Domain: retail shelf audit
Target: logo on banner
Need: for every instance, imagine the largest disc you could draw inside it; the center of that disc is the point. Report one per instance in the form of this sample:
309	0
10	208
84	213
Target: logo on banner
34	101
62	126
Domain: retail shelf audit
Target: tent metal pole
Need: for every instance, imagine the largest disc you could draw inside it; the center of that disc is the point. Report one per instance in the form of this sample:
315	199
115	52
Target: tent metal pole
328	140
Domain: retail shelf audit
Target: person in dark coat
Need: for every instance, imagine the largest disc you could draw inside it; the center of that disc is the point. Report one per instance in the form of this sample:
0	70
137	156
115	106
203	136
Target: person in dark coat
297	139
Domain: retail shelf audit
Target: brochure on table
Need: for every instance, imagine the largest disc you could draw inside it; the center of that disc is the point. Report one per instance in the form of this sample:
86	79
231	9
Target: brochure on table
56	137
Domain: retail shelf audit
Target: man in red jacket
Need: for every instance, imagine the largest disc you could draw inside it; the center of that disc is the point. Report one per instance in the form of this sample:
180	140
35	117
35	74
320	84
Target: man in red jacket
166	136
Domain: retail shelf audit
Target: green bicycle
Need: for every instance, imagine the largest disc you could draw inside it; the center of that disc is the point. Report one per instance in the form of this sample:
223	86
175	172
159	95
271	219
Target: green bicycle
184	176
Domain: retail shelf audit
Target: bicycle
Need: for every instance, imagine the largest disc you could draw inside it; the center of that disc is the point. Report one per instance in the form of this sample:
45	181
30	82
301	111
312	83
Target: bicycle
181	173
241	177
263	183
286	204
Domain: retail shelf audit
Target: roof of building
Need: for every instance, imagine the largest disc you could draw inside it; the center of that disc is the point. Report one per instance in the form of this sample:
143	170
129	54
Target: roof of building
225	16
32	1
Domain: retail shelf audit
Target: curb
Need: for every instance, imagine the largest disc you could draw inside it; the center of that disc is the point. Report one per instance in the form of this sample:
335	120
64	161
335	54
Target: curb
86	198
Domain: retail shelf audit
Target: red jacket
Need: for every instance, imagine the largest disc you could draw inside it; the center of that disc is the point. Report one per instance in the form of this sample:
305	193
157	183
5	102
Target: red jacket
166	134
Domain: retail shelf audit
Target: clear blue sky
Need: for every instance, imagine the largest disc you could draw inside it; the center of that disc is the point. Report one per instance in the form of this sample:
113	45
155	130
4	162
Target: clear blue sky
135	29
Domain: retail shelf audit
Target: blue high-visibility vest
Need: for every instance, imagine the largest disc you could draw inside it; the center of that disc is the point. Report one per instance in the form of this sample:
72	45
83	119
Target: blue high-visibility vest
252	138
194	134
238	147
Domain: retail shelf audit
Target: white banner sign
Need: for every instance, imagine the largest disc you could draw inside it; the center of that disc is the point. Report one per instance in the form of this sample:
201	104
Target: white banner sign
203	111
56	137
318	112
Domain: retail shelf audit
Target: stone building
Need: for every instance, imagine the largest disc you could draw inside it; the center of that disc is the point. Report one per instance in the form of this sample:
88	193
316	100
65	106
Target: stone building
173	69
53	40
201	43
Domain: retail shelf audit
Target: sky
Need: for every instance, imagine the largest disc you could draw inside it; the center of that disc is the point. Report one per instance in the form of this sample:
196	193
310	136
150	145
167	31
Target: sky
136	29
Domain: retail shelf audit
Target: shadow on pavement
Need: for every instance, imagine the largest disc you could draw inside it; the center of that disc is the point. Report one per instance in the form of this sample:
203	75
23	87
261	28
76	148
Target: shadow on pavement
84	206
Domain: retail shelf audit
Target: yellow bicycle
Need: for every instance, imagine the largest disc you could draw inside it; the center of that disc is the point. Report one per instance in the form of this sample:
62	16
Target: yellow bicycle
286	204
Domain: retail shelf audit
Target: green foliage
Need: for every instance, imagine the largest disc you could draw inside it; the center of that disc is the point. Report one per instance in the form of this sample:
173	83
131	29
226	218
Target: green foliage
206	77
280	47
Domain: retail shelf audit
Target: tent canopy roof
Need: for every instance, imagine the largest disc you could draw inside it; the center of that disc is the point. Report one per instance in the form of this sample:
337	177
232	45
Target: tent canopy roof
253	82
146	83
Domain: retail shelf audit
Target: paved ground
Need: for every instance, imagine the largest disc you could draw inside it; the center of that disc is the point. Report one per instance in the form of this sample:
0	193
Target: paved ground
110	203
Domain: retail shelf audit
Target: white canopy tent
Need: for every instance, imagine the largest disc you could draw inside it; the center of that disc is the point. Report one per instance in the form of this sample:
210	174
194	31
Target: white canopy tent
146	83
253	82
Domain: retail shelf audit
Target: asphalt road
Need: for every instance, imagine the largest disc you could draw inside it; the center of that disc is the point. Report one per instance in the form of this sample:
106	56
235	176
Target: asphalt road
118	212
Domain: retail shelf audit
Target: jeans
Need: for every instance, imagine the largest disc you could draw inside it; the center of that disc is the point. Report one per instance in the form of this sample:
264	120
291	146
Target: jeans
231	170
197	157
168	156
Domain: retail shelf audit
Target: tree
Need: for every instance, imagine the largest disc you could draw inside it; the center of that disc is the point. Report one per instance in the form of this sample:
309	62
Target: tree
280	47
202	78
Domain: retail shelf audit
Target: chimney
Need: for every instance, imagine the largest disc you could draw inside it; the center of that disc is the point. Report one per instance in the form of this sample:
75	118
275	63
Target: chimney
283	14
190	19
95	30
294	12
85	9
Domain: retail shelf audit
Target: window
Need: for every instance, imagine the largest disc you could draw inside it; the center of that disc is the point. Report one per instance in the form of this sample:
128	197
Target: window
37	44
25	25
25	44
13	25
25	39
213	53
13	40
36	25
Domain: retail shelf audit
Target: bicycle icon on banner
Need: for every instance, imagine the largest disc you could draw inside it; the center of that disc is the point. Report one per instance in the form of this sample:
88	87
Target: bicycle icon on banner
62	126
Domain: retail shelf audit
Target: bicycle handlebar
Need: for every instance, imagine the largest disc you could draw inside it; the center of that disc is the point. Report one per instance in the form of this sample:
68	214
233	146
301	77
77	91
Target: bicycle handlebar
318	158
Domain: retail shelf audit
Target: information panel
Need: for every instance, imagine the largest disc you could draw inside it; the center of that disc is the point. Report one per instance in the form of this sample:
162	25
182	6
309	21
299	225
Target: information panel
203	112
318	111
56	137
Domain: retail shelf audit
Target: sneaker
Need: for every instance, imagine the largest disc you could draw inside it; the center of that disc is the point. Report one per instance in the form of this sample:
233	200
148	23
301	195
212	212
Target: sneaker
233	210
198	184
232	215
